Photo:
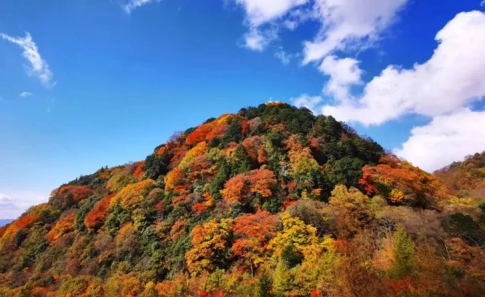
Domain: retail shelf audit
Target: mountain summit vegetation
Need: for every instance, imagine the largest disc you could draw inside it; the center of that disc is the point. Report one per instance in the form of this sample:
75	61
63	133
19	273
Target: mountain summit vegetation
271	201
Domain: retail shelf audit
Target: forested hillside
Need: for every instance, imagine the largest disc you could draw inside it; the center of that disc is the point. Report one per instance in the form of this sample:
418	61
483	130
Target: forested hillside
465	178
271	201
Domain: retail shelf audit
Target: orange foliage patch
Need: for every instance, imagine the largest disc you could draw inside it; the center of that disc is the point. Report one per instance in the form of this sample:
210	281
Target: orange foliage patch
160	206
404	181
291	201
193	153
253	232
199	134
20	224
242	186
178	229
209	131
200	168
95	218
176	177
402	286
198	207
138	173
170	146
255	148
64	225
77	193
177	156
126	231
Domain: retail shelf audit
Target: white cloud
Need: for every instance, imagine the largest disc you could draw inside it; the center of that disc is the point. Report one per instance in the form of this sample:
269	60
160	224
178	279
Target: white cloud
25	94
262	12
8	210
259	12
39	66
11	208
131	5
283	56
347	23
344	24
305	100
452	78
446	139
343	74
257	39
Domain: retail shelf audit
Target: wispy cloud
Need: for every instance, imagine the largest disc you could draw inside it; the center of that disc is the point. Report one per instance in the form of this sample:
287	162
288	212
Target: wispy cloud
38	66
131	5
283	56
11	208
25	94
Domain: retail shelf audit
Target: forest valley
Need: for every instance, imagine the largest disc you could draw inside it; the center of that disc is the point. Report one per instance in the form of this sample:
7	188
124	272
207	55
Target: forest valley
271	201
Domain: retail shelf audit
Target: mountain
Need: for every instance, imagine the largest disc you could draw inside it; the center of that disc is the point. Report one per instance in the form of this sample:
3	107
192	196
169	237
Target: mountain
4	222
465	178
271	201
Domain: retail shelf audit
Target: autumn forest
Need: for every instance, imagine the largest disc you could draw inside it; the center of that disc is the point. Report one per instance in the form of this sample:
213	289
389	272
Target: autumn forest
271	201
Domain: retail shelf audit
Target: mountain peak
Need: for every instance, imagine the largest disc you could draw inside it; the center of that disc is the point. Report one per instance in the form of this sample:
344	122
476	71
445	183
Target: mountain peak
270	188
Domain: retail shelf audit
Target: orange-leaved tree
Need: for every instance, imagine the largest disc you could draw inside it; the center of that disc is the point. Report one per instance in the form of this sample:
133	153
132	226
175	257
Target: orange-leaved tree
64	225
244	186
252	233
96	216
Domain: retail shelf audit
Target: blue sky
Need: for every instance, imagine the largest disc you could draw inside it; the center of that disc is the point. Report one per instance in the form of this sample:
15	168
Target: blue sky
90	83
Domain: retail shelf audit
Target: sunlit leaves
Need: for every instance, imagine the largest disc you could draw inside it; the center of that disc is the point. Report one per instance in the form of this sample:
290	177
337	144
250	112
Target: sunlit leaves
252	233
64	225
133	194
95	218
209	242
244	186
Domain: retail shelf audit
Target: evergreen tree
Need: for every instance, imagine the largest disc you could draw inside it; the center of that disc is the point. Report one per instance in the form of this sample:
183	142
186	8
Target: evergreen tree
404	262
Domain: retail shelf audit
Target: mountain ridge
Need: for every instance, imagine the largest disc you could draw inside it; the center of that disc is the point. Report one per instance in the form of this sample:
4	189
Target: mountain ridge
270	201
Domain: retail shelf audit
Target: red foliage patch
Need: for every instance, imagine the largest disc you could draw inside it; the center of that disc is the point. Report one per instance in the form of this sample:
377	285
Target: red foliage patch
242	186
138	172
198	207
95	218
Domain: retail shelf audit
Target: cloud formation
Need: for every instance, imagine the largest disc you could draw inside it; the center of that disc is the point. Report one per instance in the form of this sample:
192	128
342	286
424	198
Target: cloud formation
38	66
13	204
344	24
283	56
257	40
25	94
447	138
131	5
8	209
261	12
450	79
310	102
343	74
347	24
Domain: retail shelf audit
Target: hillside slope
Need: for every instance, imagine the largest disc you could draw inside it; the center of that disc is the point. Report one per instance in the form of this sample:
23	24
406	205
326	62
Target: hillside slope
271	201
465	178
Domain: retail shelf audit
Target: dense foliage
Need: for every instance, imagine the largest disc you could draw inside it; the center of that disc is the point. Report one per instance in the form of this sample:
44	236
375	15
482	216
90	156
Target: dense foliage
465	178
271	201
